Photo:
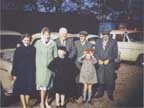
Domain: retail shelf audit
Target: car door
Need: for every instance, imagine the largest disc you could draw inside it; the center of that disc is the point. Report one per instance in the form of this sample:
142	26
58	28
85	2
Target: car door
123	46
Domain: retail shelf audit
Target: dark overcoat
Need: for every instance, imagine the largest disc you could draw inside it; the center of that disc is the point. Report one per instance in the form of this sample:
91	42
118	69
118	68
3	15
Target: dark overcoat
24	69
105	73
64	80
80	50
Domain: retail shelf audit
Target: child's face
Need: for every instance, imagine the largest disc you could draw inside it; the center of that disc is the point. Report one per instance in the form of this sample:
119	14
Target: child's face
61	53
88	56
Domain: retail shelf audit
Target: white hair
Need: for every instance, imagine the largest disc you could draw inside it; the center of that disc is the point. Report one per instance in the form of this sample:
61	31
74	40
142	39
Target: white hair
63	30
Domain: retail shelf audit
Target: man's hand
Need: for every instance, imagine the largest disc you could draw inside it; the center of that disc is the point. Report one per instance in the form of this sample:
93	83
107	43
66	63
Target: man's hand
106	62
100	62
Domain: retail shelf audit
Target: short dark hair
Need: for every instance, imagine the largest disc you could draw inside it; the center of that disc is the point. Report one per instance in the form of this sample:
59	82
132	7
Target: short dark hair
62	48
26	35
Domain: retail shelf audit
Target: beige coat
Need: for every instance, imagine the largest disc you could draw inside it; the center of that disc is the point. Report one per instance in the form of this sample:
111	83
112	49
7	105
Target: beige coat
88	71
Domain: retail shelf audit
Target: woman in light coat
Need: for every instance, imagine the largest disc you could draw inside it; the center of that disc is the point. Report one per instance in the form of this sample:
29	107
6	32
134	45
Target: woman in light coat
46	51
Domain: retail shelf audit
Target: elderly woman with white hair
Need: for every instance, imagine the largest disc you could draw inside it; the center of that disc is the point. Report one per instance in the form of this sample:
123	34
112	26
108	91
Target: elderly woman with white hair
66	42
46	51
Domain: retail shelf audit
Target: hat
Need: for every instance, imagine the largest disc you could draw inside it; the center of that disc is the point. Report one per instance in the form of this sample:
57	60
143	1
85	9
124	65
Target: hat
88	50
85	33
62	48
105	32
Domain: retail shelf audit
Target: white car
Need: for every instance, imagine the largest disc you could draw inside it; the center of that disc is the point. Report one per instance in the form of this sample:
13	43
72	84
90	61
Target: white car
9	41
130	45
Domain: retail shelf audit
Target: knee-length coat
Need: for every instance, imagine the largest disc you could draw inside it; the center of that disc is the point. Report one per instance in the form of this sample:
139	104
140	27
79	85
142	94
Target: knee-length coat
24	70
88	71
44	55
64	81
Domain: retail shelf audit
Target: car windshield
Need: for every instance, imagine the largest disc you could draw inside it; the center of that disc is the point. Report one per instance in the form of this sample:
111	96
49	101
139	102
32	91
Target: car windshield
9	41
136	37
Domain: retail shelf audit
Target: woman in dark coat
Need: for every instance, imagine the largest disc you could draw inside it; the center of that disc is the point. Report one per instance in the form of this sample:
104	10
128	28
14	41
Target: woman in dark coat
23	70
64	80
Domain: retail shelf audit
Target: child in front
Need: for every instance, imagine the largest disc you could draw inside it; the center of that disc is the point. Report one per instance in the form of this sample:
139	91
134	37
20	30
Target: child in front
63	69
88	75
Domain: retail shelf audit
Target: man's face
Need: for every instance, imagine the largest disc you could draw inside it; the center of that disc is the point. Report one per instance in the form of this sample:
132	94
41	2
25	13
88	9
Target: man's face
82	38
63	35
105	37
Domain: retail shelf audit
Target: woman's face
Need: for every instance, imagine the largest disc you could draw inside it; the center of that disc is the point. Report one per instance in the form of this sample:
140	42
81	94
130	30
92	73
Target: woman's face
46	35
26	41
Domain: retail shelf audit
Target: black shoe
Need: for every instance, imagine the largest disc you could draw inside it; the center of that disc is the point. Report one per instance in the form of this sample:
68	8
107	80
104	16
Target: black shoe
111	97
98	96
72	100
84	101
90	102
63	106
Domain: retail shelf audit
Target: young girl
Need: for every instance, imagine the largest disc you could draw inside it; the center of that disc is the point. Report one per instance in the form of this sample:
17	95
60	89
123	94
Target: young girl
23	70
63	68
88	75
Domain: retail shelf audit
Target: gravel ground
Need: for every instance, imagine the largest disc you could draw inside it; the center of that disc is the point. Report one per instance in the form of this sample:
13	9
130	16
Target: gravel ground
128	91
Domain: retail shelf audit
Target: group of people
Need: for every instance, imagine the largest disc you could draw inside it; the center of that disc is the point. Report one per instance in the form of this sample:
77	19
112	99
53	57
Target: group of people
62	66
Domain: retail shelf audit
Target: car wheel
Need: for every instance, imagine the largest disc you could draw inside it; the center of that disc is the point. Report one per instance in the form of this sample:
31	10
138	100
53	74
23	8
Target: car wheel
140	60
1	95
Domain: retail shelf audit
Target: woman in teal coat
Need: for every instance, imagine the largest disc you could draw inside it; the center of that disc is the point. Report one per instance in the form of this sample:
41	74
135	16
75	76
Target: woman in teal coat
46	51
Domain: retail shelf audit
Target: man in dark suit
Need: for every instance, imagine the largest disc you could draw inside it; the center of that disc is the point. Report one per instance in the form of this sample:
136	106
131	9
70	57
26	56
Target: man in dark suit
106	52
66	42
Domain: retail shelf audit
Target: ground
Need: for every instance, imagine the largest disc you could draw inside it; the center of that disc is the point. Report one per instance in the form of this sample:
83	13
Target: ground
128	91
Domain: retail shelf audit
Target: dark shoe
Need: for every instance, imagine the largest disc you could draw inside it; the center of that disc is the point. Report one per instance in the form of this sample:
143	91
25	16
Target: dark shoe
90	102
72	100
83	102
63	106
111	97
98	96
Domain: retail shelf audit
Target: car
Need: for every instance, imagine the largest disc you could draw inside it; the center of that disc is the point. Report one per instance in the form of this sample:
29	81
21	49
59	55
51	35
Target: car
9	41
54	35
92	38
130	45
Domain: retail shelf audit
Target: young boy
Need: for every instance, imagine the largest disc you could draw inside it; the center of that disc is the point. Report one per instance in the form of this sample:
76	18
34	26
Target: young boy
63	69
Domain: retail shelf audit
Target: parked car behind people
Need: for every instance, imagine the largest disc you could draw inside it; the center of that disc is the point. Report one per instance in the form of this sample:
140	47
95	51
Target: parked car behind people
130	45
9	42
